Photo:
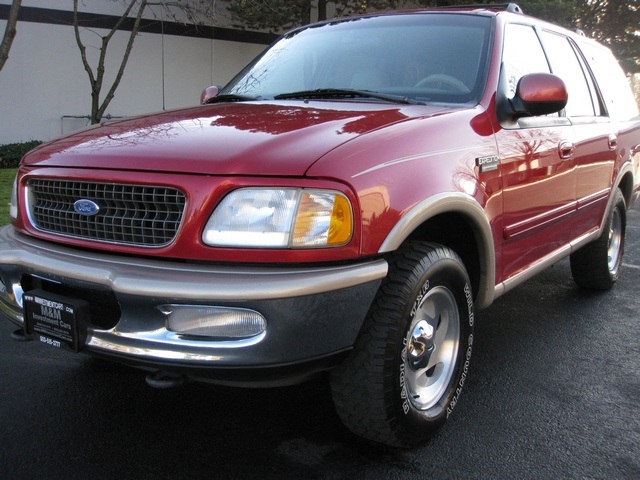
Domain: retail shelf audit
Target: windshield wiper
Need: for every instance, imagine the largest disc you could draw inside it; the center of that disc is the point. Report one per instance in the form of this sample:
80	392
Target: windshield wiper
232	97
346	93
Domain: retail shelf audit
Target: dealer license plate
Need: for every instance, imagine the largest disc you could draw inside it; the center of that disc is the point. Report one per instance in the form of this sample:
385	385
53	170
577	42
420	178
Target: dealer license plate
56	320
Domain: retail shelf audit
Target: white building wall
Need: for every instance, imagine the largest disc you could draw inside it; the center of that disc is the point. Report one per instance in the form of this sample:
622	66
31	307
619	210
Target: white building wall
44	79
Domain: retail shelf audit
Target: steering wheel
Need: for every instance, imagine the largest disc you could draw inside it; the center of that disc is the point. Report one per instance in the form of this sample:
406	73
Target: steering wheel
455	85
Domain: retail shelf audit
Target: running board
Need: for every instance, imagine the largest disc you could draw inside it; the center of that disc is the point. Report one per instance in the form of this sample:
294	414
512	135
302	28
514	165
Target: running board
544	263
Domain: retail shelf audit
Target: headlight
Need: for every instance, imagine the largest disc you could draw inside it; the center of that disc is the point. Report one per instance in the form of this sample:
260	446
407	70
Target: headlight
13	204
280	218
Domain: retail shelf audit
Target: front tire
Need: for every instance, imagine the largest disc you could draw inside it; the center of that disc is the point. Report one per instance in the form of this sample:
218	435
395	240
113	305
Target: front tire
410	361
596	266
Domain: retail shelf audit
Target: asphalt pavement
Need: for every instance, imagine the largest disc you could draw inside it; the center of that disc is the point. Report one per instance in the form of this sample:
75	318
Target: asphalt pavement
553	392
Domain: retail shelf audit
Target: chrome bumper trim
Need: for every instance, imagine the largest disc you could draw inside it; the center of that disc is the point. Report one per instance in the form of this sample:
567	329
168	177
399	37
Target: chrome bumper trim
182	280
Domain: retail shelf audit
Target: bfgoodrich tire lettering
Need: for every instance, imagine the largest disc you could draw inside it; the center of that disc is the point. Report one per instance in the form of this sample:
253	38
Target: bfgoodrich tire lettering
597	265
410	362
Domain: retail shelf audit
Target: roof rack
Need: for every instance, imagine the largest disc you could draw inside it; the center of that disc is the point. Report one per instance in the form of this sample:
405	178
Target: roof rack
507	7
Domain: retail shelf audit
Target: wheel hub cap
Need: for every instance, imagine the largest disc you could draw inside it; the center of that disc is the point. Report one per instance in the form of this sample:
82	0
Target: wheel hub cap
432	343
615	242
421	345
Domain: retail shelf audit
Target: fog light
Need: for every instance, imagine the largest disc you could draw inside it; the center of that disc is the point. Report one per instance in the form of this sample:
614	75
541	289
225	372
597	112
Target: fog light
220	322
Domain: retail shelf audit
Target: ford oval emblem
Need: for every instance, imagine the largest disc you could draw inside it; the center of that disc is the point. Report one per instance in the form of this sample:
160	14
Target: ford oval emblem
86	207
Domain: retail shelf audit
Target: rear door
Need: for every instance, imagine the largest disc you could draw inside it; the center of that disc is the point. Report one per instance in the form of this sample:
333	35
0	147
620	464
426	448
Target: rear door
596	136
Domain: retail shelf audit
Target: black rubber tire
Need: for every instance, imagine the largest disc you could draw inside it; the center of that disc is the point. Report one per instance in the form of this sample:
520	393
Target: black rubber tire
596	266
372	388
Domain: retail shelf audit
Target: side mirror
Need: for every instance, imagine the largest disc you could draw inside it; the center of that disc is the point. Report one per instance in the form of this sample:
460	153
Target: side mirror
208	93
539	94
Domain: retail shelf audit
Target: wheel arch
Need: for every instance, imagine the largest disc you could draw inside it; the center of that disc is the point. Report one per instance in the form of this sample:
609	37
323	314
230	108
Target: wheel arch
624	181
625	184
458	222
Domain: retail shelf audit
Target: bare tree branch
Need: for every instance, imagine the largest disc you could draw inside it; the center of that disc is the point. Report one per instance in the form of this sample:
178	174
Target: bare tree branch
125	58
83	49
9	32
194	10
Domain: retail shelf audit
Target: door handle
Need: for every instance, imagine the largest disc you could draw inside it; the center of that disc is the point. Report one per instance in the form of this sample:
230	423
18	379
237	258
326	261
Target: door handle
613	141
566	149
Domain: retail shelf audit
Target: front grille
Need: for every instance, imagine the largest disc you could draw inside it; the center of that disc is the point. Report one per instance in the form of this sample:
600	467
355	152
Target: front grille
127	214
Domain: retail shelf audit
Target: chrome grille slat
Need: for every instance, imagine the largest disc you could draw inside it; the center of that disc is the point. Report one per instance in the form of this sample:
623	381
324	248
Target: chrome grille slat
141	215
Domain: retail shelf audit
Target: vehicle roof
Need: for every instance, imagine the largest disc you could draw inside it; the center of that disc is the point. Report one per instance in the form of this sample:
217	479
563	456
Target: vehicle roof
473	9
505	10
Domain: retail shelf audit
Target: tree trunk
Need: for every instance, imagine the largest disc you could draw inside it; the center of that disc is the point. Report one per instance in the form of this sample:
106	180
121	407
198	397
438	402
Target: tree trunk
9	32
96	79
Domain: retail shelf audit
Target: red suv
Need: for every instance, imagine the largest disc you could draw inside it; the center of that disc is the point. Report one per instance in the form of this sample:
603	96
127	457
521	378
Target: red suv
341	206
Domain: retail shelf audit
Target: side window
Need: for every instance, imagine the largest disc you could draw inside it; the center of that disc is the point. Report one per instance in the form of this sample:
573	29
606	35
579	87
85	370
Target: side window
613	83
566	65
522	54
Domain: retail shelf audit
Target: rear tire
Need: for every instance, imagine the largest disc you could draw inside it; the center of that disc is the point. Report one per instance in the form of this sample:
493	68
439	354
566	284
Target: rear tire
410	361
596	266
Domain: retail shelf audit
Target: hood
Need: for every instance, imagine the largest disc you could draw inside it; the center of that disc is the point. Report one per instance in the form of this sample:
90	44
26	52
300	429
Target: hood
280	138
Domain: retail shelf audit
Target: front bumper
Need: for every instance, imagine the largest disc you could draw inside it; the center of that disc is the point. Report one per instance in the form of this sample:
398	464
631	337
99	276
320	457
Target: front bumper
311	313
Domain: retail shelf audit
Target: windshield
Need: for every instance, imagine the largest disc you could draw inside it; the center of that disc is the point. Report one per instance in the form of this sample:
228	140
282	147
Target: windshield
422	57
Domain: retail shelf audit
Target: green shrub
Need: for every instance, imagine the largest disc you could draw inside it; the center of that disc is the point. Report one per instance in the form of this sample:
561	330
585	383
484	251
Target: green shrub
11	153
6	185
